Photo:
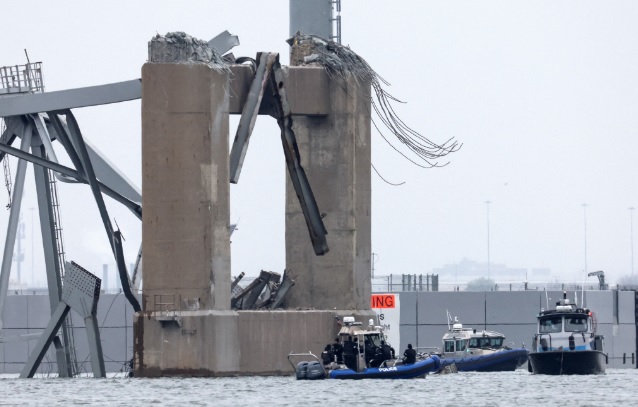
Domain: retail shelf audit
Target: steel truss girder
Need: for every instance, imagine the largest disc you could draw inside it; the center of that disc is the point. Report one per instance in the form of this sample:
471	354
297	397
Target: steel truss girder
114	237
269	73
14	217
297	174
60	313
81	293
71	98
51	257
70	137
249	114
69	172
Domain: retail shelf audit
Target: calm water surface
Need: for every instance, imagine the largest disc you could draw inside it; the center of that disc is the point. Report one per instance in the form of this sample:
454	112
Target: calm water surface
616	387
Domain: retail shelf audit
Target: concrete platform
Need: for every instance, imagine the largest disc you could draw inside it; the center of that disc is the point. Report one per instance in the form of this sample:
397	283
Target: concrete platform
230	343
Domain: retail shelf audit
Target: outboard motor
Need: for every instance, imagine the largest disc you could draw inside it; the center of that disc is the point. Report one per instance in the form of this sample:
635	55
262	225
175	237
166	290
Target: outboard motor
301	370
314	371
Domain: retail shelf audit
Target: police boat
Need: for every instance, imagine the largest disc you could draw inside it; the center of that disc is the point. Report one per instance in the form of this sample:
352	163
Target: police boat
361	353
478	351
566	341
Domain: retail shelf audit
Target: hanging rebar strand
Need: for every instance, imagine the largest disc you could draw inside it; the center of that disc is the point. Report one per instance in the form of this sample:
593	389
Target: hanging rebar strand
340	61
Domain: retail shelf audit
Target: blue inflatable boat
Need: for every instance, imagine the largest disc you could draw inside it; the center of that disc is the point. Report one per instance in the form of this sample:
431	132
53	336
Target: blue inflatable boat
418	369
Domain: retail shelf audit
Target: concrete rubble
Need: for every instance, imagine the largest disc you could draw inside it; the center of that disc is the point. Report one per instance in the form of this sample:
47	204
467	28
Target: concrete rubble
336	58
181	48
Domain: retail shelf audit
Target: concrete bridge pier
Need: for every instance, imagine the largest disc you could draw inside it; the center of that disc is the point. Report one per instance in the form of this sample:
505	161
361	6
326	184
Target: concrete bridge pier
335	152
186	327
186	323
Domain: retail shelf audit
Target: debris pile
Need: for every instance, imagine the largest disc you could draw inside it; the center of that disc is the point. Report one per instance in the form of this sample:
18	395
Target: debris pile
265	292
180	48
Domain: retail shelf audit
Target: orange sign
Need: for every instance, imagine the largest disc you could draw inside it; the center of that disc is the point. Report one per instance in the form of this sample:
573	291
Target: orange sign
382	301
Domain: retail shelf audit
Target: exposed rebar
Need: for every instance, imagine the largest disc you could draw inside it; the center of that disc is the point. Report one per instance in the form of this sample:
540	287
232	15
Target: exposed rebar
341	61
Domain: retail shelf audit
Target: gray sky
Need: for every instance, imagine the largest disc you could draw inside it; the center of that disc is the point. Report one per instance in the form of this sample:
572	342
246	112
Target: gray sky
543	95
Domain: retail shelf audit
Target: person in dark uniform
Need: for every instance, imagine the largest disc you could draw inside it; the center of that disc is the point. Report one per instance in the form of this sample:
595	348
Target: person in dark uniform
327	356
337	349
357	345
409	356
387	351
369	350
377	358
350	354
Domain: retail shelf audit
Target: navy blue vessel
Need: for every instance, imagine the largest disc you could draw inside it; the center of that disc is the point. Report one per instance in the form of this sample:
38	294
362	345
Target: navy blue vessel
362	353
566	342
420	368
479	351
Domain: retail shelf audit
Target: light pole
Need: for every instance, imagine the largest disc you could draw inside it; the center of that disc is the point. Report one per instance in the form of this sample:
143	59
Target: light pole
631	223
585	222
487	204
375	257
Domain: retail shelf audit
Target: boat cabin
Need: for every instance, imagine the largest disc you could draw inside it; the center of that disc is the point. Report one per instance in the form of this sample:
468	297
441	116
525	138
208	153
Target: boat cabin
564	323
566	342
365	341
460	339
567	327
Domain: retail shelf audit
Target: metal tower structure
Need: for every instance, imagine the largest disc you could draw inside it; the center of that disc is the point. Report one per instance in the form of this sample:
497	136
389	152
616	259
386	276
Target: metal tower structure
38	119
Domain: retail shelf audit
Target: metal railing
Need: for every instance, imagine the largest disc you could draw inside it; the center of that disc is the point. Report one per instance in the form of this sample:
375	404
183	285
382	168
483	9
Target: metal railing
431	282
21	78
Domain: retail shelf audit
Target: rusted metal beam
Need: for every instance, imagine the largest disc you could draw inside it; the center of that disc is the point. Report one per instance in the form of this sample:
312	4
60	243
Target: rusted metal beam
307	201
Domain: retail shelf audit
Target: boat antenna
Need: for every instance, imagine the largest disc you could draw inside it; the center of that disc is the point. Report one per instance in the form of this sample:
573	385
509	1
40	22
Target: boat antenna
582	294
449	317
546	299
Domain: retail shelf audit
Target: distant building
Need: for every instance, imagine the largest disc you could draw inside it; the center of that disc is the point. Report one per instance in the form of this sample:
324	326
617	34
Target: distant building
467	270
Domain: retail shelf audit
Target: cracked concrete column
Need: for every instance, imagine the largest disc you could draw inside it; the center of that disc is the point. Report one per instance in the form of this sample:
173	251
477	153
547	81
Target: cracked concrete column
335	153
186	193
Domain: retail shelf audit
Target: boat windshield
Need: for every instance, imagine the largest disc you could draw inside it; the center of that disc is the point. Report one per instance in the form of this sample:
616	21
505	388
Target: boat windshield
461	345
373	339
576	324
449	346
550	324
486	342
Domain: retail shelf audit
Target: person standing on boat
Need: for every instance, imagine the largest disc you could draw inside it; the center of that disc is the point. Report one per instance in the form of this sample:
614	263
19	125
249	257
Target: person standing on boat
327	356
350	352
370	351
387	351
409	356
337	349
